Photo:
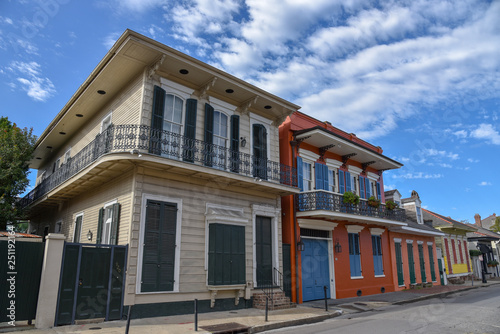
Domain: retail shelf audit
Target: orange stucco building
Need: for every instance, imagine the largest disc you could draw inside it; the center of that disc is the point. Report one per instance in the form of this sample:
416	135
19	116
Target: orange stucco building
341	248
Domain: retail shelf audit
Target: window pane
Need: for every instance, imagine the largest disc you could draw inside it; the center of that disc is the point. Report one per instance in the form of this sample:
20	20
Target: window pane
178	110
169	109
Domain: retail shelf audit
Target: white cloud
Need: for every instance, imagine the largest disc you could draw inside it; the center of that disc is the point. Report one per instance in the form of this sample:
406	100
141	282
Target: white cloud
445	165
473	160
30	77
418	175
437	153
484	183
139	6
460	134
486	132
110	39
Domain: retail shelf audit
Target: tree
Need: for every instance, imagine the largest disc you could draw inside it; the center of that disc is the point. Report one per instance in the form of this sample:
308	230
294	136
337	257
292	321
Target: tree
16	149
496	227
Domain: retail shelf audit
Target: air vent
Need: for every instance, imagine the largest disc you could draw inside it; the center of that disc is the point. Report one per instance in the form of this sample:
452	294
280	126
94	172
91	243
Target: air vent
307	232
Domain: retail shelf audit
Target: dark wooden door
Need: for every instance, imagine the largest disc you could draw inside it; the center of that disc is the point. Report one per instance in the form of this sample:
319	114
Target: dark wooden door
264	250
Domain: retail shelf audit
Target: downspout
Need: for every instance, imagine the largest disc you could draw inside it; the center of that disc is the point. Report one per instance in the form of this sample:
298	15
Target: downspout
293	144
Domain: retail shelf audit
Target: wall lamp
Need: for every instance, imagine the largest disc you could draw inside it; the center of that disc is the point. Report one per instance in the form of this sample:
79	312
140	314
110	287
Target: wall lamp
243	141
89	235
136	152
338	246
301	246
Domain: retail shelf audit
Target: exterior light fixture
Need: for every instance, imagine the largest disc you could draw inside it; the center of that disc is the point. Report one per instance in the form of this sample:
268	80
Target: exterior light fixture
136	152
338	246
243	141
267	107
229	91
101	92
183	71
89	235
301	246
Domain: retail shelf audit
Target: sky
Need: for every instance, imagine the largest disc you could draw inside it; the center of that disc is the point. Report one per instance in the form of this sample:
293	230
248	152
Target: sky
420	78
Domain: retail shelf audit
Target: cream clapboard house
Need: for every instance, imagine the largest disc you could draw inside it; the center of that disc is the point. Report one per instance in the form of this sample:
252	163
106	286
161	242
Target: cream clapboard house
176	159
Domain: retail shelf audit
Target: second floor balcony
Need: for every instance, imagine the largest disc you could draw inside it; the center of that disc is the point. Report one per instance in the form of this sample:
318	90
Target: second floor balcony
184	155
325	204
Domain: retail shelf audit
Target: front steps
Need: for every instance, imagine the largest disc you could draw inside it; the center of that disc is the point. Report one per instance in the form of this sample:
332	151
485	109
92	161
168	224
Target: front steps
277	301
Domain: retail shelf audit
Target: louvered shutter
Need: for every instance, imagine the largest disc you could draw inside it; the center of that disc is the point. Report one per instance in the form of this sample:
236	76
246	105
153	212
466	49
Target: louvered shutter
209	134
115	222
341	181
190	130
368	188
318	174
347	181
362	186
379	195
100	220
157	120
300	174
325	177
260	151
235	141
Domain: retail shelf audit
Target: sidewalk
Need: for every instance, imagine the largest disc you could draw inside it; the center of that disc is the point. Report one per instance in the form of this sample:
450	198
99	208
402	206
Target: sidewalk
254	319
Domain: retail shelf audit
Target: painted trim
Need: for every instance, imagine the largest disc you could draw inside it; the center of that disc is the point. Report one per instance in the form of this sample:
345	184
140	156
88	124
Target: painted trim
376	231
354	228
273	213
317	224
74	226
398	240
110	116
308	155
175	88
178	201
357	277
420	242
430	243
409	241
332	163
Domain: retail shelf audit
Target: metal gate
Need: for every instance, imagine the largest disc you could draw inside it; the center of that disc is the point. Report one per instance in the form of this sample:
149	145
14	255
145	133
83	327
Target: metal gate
21	269
91	283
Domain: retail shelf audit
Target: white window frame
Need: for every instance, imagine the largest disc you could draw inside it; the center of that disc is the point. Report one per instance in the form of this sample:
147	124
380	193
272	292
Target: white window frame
266	123
311	181
81	227
106	237
178	233
274	214
58	226
108	117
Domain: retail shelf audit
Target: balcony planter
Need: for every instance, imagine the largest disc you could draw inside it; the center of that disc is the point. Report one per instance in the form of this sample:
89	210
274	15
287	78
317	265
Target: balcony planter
390	205
474	252
373	202
492	263
350	198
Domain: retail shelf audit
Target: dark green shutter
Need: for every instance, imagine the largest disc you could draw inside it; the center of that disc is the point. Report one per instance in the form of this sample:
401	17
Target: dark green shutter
422	263
78	229
399	263
411	263
226	254
431	263
259	151
100	220
209	134
159	246
235	143
190	130
157	120
115	221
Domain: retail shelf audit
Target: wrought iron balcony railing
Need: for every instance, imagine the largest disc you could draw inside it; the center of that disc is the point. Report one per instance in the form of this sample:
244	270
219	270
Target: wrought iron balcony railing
324	200
144	139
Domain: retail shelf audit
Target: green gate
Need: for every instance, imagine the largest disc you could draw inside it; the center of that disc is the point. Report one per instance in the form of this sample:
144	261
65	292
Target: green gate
92	282
21	269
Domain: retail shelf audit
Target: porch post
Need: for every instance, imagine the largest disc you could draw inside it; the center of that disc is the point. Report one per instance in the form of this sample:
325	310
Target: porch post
49	282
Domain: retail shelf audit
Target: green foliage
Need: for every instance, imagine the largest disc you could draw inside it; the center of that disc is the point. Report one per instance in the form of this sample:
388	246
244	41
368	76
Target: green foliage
474	252
350	198
373	202
16	149
496	227
493	263
390	205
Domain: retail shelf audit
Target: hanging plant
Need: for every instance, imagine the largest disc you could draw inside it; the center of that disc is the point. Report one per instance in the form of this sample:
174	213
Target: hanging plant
373	202
474	252
390	205
350	198
492	263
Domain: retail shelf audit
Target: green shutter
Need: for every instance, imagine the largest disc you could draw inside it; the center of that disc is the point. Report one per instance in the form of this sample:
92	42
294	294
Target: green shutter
411	264
209	134
159	246
422	263
362	186
190	130
235	143
259	151
431	263
157	120
226	254
78	229
399	263
115	221
100	220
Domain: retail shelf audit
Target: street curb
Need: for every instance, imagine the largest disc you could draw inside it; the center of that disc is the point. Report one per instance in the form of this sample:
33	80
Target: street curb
442	294
305	321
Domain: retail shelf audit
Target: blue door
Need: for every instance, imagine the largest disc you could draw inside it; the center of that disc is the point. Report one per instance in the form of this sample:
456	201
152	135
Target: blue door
315	270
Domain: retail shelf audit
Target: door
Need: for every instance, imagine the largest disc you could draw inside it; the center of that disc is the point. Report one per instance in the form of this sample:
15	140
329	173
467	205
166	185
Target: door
264	251
315	269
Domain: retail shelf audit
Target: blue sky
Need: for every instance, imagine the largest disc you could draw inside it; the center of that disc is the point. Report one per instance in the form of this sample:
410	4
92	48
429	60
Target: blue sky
419	78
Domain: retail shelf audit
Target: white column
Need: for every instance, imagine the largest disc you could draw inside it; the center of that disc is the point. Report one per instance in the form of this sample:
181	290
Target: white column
49	283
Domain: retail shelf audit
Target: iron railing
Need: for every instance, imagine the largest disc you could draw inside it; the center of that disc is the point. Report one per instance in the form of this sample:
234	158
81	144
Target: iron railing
267	281
143	139
324	200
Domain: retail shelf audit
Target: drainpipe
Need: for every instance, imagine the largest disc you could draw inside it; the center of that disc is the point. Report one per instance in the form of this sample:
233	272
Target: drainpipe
293	144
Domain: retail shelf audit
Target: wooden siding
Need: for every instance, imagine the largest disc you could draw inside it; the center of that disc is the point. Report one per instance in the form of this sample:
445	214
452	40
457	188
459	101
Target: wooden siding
194	195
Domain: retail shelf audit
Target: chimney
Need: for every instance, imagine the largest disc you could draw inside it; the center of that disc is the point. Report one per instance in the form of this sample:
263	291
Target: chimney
477	218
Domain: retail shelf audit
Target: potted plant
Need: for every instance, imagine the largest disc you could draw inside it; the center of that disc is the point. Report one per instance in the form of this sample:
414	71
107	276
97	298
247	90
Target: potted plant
350	198
492	263
373	202
474	252
390	205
